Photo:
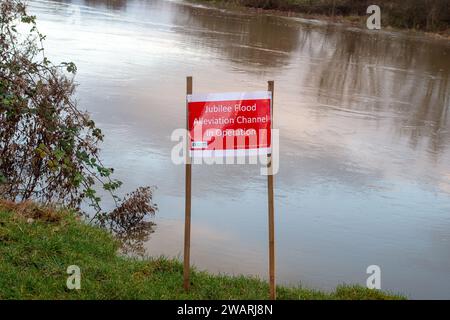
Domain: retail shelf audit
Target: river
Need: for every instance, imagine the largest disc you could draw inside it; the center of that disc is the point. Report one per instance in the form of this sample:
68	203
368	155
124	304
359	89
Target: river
364	124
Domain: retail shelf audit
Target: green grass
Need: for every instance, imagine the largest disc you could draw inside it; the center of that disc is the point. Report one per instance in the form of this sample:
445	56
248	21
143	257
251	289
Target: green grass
34	256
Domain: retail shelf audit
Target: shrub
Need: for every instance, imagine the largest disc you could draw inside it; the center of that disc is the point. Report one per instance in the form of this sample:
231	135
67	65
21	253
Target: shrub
49	149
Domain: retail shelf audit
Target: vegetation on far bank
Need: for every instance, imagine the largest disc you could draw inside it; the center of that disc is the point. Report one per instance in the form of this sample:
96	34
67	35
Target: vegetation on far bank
37	244
424	15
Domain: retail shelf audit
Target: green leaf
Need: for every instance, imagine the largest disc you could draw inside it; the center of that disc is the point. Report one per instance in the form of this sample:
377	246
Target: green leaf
28	19
59	154
70	67
77	179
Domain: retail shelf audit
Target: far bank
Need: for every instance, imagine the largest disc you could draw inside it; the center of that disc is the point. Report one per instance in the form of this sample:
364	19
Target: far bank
432	19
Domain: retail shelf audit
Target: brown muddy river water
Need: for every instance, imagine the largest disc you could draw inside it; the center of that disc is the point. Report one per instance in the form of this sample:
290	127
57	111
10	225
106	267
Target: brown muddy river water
364	126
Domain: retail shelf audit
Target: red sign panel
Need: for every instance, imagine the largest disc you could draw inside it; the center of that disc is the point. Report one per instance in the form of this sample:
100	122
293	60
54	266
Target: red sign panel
226	124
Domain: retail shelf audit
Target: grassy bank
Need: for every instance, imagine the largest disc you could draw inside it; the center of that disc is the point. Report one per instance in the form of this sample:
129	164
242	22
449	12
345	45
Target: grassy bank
38	244
428	16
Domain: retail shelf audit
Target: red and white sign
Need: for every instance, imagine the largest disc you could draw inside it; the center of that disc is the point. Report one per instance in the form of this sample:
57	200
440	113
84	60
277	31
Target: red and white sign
229	124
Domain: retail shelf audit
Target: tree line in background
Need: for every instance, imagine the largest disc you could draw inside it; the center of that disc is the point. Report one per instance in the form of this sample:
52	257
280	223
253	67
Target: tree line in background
427	15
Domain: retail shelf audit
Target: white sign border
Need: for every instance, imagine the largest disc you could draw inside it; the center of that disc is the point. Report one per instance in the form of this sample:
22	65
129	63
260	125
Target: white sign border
229	153
228	96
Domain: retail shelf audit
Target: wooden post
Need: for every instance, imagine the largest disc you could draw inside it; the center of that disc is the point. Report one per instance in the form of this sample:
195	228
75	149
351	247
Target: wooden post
273	293
187	208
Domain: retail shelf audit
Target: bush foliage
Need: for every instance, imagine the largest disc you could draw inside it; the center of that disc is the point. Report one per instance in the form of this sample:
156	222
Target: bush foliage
49	149
428	15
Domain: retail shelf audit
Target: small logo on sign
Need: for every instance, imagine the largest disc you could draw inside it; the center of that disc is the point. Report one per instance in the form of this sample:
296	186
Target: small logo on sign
199	144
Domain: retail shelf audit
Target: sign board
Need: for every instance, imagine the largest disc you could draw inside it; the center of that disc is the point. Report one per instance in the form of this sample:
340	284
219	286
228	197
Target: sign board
229	124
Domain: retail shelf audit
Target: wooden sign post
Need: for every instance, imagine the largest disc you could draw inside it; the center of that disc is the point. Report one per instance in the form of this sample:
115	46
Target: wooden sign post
237	115
187	208
271	209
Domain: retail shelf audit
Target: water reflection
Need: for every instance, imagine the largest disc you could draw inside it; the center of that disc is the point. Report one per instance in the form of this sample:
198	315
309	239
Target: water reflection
109	4
262	41
410	79
105	4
